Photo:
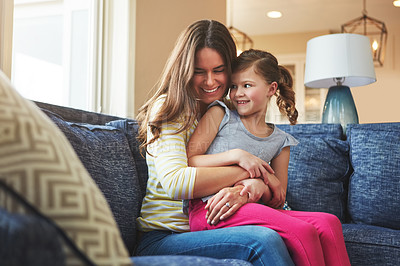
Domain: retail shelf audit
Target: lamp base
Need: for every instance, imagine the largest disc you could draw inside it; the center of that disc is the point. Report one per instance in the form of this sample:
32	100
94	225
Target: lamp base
339	107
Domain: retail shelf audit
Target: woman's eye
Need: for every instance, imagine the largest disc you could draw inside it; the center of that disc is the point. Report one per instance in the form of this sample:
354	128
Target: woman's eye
199	72
219	71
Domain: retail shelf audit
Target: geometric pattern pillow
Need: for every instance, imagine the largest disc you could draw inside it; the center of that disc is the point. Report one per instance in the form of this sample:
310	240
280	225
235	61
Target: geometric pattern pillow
38	163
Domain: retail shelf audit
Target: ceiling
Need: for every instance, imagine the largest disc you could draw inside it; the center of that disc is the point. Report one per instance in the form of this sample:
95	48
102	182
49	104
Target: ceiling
250	17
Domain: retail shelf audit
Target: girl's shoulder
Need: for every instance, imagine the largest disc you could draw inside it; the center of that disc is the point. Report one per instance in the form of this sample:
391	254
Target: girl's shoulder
288	139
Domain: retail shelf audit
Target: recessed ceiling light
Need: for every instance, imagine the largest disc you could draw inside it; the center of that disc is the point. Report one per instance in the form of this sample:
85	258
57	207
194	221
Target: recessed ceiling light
274	14
396	3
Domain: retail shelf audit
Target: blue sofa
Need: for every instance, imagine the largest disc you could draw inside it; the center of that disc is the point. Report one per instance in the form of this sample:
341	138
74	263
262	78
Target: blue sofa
356	178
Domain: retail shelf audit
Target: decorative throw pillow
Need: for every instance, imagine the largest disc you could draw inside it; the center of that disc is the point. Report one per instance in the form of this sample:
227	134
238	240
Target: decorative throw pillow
374	189
38	163
318	169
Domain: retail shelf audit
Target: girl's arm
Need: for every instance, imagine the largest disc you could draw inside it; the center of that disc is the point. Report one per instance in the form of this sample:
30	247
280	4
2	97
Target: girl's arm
206	182
278	181
203	136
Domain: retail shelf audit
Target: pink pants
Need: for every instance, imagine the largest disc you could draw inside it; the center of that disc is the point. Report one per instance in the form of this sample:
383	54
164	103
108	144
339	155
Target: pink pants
312	238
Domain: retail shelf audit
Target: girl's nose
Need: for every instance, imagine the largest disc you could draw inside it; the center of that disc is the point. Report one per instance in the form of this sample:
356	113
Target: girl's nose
240	91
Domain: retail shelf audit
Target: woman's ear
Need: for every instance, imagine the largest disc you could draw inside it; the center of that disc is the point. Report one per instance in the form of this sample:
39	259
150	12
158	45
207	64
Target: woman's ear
272	88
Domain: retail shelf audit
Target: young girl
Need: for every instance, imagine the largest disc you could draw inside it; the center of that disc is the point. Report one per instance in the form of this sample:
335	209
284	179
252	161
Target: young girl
228	136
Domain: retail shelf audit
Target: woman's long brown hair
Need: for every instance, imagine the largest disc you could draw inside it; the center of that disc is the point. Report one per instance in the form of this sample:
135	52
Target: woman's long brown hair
176	80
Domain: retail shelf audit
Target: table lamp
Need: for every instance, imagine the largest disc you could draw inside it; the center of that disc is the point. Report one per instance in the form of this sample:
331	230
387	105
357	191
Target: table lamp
337	61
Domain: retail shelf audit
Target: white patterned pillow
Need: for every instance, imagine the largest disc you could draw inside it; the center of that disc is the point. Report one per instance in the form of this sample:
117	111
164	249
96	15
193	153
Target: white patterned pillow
39	164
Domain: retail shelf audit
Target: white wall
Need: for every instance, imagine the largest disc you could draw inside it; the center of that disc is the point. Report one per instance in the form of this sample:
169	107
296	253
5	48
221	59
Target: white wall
6	21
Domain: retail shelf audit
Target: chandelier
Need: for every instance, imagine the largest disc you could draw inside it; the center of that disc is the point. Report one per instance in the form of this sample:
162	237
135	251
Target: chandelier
242	40
374	29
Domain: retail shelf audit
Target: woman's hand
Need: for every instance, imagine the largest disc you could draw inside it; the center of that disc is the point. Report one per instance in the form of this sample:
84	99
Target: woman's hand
252	164
254	187
225	203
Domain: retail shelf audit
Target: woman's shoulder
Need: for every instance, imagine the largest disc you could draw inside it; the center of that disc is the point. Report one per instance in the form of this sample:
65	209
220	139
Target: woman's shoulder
156	106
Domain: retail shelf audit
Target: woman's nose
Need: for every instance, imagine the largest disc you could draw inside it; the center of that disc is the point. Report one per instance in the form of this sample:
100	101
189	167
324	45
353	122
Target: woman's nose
210	78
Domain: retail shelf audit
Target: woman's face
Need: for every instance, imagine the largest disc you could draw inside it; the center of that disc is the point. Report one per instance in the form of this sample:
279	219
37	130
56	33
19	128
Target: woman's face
210	76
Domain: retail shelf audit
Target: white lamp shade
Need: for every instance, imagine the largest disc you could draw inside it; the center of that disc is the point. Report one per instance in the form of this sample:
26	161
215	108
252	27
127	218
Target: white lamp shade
342	55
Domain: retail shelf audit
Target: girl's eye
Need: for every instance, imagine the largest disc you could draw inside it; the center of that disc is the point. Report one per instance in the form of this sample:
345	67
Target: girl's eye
247	86
233	86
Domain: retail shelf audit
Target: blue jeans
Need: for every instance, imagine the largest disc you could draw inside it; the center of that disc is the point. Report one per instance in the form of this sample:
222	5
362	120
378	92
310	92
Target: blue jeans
256	244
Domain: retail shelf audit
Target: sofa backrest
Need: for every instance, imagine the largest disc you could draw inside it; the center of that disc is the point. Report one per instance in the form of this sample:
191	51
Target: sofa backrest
108	149
374	188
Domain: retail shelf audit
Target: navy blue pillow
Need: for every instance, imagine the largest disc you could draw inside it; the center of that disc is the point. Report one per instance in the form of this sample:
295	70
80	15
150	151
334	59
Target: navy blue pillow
318	169
106	154
374	189
28	240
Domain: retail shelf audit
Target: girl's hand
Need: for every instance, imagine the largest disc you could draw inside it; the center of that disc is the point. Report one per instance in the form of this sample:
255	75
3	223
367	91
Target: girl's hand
278	193
252	164
225	203
254	187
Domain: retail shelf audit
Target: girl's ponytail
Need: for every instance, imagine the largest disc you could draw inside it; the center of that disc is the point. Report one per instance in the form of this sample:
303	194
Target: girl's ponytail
285	95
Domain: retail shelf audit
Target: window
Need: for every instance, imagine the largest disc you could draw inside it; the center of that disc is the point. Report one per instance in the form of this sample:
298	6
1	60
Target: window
54	51
309	101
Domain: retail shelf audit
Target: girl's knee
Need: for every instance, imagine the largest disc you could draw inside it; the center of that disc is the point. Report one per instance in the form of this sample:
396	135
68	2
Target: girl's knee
331	220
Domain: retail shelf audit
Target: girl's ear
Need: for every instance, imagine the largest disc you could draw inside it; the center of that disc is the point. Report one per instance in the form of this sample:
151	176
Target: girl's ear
272	88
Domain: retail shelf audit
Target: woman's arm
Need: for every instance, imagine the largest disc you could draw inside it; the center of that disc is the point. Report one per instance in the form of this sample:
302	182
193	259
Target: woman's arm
169	165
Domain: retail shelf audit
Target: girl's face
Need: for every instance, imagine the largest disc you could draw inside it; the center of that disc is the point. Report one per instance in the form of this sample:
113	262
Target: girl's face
250	93
210	76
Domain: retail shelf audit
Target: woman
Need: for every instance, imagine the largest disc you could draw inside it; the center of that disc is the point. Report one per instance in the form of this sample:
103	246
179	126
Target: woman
196	74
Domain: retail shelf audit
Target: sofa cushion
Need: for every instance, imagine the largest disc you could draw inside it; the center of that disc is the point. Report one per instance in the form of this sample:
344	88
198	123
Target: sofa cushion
38	163
318	169
106	154
374	189
130	129
371	245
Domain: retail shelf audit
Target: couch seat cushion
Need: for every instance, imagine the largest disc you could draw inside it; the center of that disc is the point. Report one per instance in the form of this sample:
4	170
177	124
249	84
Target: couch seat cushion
372	245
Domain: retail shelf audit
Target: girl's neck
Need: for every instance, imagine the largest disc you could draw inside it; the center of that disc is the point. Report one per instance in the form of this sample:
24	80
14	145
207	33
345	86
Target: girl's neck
256	125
